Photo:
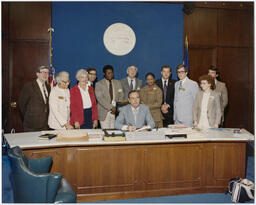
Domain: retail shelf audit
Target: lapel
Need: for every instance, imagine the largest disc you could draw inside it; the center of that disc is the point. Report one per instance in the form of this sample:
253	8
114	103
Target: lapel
38	91
126	83
211	98
160	84
136	82
105	85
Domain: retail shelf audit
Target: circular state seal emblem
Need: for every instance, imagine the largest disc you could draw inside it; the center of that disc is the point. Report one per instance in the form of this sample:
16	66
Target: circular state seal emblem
119	39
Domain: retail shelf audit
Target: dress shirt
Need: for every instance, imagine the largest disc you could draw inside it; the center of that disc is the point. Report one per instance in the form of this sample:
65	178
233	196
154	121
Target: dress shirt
183	81
135	111
133	82
85	97
40	84
166	82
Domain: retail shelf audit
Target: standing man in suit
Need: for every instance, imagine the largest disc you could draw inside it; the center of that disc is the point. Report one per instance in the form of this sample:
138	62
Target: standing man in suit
131	82
134	115
108	92
221	88
185	93
34	103
167	86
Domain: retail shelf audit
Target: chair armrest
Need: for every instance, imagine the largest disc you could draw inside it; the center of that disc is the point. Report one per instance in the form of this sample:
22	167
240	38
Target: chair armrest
40	165
65	193
31	187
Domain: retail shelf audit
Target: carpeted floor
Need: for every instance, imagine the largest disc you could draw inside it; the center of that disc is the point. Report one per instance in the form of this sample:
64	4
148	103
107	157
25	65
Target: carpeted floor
197	198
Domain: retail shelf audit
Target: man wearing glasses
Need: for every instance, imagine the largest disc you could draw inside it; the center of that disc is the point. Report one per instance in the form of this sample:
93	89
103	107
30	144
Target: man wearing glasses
185	93
92	76
33	102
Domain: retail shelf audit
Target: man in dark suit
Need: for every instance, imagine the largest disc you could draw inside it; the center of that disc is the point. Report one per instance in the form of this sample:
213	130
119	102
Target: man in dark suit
33	102
167	86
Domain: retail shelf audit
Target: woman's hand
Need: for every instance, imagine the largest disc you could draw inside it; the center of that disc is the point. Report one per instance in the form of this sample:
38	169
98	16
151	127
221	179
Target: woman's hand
77	125
68	126
95	124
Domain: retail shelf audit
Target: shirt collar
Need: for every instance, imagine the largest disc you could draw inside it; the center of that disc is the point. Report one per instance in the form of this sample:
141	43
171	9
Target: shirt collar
133	109
39	82
184	80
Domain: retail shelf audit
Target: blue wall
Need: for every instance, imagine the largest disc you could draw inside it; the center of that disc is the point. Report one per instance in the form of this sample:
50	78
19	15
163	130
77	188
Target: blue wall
79	28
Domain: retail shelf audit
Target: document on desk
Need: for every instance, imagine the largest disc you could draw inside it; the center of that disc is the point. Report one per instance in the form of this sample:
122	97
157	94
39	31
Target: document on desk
144	136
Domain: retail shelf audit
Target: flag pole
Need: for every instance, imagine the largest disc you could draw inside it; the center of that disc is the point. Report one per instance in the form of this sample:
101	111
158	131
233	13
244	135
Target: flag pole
52	71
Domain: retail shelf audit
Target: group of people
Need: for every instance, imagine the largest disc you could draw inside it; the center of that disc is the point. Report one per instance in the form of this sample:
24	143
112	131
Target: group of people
122	104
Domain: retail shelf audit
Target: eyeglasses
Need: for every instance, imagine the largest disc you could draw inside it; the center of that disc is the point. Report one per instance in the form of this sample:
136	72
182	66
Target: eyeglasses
181	71
43	72
66	82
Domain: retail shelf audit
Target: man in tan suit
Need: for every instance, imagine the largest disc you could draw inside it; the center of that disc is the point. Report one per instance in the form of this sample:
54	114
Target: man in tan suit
221	88
108	92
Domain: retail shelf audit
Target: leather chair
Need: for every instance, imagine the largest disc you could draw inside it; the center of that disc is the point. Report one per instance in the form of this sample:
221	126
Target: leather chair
34	184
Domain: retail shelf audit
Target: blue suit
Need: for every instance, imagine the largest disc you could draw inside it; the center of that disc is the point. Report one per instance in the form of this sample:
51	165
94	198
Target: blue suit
126	117
183	102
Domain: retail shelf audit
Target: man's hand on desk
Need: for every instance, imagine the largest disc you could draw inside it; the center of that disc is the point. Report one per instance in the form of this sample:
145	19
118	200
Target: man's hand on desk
131	128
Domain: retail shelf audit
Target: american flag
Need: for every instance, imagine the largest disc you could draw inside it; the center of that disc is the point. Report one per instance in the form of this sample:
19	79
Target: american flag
52	82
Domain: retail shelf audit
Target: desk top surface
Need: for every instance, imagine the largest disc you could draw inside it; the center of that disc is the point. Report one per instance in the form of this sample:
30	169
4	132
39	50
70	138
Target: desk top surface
28	140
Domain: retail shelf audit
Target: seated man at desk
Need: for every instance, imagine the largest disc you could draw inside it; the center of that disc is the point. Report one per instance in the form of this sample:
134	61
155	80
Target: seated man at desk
134	115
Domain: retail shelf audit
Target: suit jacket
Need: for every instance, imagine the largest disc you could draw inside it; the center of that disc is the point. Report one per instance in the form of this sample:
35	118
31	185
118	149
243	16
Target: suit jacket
213	108
126	117
34	111
76	105
103	97
169	98
222	89
183	102
126	87
59	102
152	97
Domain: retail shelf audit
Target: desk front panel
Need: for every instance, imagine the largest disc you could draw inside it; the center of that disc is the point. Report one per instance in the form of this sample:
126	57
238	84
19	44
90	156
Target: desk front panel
129	171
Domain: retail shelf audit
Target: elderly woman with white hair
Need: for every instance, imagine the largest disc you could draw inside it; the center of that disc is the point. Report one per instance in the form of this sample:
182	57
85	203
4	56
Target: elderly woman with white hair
84	113
59	103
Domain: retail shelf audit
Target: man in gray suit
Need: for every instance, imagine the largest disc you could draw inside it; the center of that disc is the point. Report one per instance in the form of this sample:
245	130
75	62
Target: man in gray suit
131	82
134	115
108	92
185	93
221	88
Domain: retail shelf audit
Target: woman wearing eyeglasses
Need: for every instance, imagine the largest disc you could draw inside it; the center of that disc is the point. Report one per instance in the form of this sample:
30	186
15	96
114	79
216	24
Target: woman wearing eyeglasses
59	103
206	109
84	113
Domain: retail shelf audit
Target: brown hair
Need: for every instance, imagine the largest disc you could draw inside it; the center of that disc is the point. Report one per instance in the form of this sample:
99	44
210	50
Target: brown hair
182	66
166	66
209	79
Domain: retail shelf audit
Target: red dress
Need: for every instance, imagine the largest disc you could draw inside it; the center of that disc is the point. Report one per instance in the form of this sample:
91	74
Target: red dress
76	105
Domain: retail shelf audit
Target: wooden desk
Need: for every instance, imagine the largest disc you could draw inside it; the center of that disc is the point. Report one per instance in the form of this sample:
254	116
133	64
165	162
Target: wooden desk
108	171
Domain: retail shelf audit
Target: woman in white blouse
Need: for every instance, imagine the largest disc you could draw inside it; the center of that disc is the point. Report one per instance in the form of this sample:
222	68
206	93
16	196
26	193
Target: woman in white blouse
59	103
206	109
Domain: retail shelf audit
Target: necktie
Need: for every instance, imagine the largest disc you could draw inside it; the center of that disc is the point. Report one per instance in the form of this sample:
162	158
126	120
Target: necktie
180	84
135	111
131	85
110	90
45	93
165	91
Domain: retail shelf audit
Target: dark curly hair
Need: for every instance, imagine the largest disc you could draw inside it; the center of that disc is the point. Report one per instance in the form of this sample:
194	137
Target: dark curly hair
209	79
